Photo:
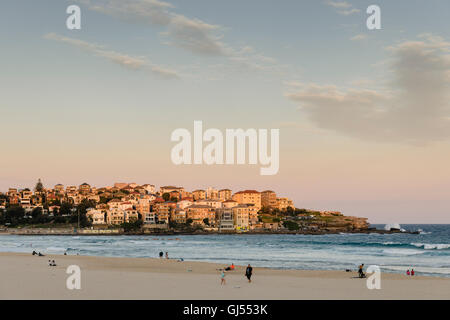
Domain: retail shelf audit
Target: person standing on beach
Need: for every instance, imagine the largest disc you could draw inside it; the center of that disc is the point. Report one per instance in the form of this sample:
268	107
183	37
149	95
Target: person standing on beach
412	272
167	255
248	273
161	254
222	278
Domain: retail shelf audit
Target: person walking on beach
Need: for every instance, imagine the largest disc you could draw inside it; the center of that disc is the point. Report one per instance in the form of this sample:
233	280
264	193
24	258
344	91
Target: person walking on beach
167	255
248	273
222	277
408	273
161	254
412	272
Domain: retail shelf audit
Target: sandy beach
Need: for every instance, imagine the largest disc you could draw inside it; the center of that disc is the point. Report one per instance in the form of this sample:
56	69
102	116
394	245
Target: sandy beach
24	276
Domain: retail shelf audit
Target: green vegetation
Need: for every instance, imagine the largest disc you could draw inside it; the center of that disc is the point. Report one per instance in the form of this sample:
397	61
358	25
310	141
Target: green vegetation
291	225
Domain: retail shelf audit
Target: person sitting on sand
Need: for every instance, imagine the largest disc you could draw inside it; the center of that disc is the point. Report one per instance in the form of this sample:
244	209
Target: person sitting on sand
34	253
40	254
361	272
230	268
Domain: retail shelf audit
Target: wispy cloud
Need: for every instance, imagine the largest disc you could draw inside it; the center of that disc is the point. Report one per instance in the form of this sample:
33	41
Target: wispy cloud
359	37
125	60
342	7
413	107
191	34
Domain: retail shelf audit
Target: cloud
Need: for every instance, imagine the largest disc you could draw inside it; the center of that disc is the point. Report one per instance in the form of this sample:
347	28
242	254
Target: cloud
130	62
191	34
348	12
413	106
342	7
338	4
359	37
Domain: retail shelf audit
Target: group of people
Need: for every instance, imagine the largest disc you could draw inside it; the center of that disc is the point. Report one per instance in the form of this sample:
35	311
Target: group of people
248	273
37	254
161	255
410	273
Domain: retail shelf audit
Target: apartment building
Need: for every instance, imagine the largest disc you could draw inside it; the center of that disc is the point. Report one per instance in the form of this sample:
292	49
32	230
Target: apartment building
269	199
225	194
241	217
97	216
225	219
198	213
199	194
248	197
284	203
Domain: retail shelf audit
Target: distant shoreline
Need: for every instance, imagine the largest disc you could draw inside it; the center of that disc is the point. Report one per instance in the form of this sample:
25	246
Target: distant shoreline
70	232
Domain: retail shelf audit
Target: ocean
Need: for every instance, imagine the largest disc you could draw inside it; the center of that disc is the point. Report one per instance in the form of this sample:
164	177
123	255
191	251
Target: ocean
428	252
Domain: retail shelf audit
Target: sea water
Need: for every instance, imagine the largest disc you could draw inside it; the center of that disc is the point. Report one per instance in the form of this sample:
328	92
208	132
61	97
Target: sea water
428	252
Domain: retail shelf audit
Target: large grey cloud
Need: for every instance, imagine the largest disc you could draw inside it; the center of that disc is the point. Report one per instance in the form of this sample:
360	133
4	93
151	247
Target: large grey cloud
413	106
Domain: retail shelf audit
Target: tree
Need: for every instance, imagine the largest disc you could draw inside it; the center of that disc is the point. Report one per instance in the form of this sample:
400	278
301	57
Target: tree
66	208
189	221
206	221
39	186
134	225
166	196
291	225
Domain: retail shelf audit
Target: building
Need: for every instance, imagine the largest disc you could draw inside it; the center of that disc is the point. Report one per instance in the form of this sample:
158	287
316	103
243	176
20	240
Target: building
149	218
269	199
248	197
97	216
216	204
199	194
225	218
284	203
198	213
225	194
59	188
115	216
169	189
84	188
150	188
179	216
131	215
212	194
241	217
164	210
184	203
229	204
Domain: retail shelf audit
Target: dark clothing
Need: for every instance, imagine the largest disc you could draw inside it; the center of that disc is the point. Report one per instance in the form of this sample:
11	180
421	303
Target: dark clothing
248	272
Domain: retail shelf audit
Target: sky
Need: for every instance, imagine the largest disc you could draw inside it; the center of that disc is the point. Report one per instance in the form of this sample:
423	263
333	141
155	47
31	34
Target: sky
364	115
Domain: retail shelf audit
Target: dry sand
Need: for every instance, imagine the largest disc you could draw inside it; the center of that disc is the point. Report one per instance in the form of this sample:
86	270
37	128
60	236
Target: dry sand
24	276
